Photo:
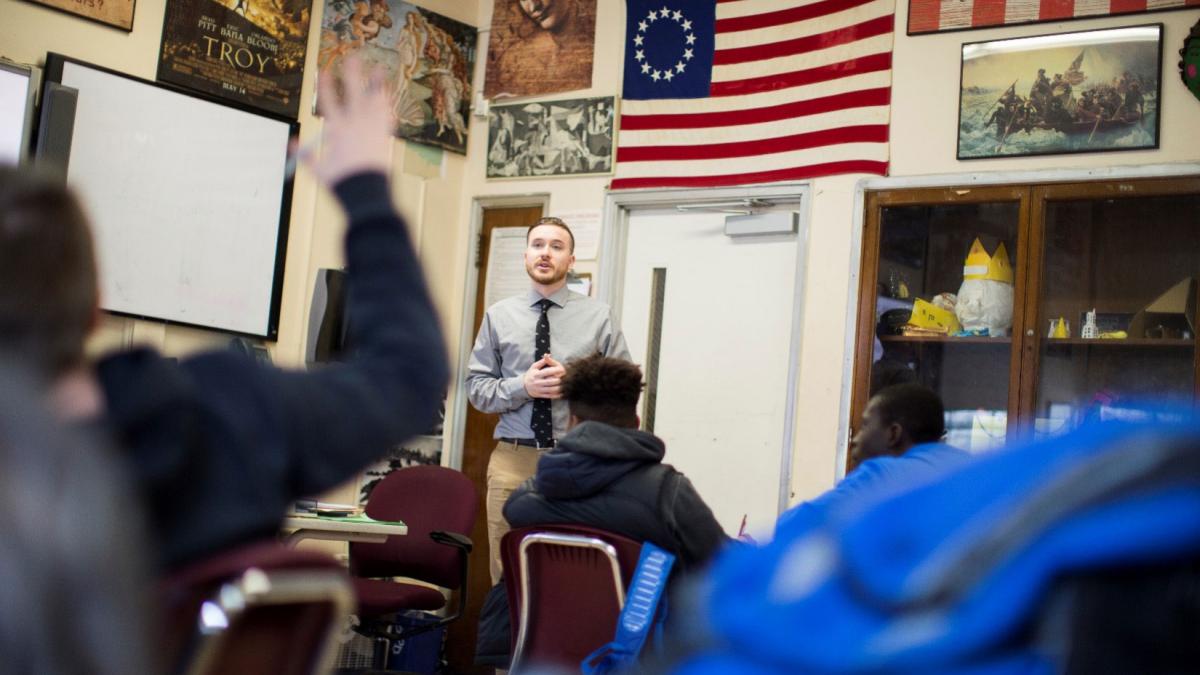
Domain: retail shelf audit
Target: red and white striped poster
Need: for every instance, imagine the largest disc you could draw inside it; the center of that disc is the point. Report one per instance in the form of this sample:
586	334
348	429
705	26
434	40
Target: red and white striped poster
933	16
741	92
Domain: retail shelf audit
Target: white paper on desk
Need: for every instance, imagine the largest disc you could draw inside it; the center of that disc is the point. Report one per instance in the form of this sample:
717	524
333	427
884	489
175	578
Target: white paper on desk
585	225
506	274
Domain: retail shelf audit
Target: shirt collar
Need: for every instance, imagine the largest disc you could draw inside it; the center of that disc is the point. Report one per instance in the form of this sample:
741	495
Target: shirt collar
558	297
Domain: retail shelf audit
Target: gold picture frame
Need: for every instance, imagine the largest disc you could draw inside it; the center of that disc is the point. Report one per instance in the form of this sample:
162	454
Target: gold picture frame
1061	93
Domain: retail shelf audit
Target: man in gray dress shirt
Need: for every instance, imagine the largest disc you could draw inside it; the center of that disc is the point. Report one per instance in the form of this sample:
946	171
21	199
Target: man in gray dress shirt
507	377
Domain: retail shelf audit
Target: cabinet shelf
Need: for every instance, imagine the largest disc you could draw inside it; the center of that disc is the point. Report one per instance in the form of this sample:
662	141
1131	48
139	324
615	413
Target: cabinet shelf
968	340
1073	248
1127	342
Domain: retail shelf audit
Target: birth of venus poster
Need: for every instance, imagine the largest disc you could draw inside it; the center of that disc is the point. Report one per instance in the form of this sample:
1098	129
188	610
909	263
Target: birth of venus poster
427	60
249	51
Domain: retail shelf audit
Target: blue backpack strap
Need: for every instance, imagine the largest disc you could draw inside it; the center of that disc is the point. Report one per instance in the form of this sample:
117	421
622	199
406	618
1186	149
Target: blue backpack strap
639	615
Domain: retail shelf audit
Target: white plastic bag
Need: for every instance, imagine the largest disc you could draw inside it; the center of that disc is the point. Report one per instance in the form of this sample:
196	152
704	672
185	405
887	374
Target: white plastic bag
984	304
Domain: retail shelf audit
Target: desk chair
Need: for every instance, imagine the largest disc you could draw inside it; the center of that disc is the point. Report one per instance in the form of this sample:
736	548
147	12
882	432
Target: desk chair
438	506
260	608
566	586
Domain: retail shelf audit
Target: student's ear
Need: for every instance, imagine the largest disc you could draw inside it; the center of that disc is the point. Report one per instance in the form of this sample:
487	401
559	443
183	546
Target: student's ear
572	421
895	434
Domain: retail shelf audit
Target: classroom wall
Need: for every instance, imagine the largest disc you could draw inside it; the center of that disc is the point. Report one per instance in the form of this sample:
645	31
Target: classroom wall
924	122
436	189
564	193
427	182
924	125
421	177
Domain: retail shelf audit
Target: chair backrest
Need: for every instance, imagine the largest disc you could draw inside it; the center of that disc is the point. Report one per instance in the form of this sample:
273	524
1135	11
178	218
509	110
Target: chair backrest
259	608
566	586
427	499
283	622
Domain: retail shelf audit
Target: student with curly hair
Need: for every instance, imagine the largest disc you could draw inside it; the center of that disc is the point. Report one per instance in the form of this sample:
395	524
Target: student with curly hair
607	473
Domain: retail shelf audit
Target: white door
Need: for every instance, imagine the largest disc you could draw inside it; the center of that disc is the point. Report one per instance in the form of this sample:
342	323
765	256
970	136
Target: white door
721	393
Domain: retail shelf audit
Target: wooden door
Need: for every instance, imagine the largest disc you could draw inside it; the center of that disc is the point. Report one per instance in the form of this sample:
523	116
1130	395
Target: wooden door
477	448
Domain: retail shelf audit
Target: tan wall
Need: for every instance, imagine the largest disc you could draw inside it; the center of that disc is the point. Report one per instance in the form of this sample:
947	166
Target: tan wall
28	31
923	142
426	192
438	199
564	193
924	121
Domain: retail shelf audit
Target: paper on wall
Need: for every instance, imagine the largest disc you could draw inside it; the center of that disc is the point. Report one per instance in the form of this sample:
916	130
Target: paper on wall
585	225
506	274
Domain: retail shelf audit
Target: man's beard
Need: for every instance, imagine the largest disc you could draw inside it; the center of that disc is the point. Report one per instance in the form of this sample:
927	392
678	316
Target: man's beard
558	275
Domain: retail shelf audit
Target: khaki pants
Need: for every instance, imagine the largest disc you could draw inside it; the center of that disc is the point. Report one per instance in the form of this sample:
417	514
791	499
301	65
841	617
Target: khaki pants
509	466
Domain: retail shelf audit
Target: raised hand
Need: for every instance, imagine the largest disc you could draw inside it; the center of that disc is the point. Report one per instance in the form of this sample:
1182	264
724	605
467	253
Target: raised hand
356	133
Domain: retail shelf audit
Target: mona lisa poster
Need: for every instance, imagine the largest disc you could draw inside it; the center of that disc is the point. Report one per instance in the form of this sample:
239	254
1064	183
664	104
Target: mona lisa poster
540	47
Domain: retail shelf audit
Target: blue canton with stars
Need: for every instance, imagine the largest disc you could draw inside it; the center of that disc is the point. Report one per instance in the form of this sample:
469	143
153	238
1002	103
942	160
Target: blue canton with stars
668	48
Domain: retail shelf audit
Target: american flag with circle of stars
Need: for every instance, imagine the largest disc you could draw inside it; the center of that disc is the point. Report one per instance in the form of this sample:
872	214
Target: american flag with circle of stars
737	92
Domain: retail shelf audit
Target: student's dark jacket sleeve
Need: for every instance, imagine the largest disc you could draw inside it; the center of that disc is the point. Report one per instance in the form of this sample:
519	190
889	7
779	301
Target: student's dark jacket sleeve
693	524
219	445
341	417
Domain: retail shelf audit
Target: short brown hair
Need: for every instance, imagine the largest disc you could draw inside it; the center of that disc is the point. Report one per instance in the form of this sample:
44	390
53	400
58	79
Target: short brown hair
557	222
603	389
48	288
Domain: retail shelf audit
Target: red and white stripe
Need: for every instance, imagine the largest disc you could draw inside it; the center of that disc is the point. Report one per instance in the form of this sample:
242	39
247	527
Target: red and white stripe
931	16
800	89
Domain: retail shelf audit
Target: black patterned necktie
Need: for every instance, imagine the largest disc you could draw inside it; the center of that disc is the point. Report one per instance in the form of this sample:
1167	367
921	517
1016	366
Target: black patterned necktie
542	420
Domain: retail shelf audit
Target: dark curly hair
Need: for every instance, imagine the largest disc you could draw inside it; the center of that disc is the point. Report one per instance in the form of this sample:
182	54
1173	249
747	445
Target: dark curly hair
603	389
916	408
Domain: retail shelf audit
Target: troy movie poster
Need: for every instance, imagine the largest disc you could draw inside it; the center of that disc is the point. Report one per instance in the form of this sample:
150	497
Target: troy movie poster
249	51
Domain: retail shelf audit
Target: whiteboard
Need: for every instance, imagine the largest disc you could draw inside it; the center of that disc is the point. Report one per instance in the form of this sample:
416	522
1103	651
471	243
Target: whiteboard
16	112
188	200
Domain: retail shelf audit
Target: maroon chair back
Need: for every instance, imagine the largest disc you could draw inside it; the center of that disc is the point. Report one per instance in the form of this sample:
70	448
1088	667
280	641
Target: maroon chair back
426	499
573	603
292	601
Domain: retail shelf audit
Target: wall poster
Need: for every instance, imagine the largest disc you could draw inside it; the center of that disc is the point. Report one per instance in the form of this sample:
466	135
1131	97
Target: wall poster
427	57
540	47
1092	91
551	138
249	51
116	13
935	16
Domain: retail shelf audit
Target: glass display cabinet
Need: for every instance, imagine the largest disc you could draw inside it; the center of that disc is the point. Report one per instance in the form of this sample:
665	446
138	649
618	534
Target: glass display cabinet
1029	308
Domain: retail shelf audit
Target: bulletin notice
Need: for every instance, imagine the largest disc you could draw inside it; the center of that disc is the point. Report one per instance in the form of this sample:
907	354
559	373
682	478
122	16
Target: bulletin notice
248	51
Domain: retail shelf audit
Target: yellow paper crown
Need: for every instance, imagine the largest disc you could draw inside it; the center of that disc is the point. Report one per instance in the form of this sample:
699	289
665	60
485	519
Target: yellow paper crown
980	265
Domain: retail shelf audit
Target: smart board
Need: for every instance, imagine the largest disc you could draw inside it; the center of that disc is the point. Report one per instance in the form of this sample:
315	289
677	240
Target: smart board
188	198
